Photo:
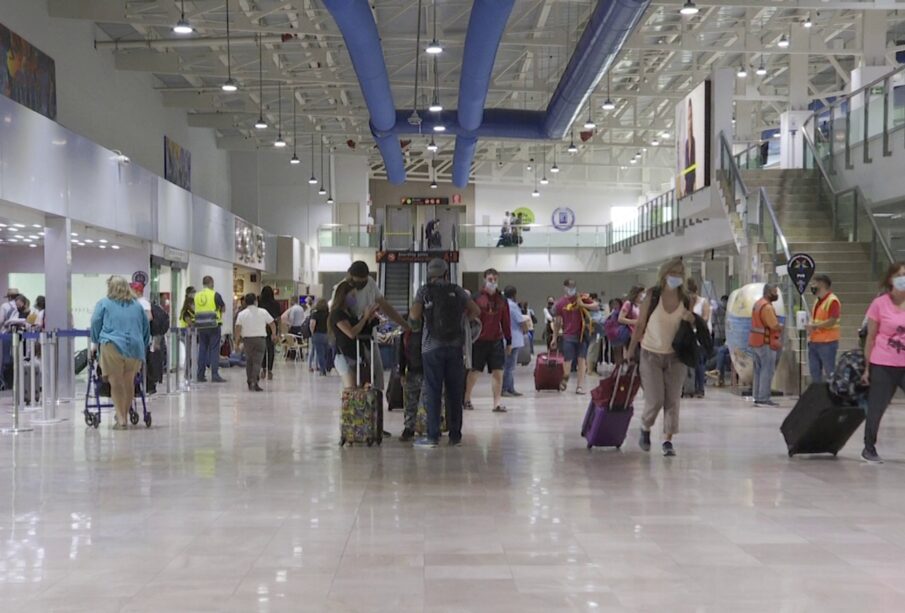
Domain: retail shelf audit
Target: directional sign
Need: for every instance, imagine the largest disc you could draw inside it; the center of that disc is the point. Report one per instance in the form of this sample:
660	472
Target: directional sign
801	268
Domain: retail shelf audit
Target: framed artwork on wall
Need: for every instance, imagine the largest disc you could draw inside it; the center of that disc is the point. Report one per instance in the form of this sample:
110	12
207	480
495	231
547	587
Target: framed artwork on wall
27	74
177	164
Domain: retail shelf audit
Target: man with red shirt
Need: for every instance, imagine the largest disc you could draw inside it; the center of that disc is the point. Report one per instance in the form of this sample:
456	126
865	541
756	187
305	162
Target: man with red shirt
495	342
573	321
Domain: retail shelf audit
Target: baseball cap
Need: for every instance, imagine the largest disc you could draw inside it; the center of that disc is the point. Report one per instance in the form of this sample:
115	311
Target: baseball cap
437	268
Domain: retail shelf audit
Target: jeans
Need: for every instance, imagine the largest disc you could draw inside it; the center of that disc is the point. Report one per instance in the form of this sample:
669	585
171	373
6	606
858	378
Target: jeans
764	366
320	347
723	360
509	370
444	365
883	383
822	360
209	351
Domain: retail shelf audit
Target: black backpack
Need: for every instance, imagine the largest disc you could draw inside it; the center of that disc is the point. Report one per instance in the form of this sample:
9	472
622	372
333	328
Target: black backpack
160	321
444	320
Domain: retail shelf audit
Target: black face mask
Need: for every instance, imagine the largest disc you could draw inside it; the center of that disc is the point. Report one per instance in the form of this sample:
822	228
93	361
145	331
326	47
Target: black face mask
774	297
550	304
814	290
359	284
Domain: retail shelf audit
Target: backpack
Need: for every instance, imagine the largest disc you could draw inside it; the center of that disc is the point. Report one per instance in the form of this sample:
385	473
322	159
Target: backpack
160	321
845	381
444	321
411	346
306	327
611	326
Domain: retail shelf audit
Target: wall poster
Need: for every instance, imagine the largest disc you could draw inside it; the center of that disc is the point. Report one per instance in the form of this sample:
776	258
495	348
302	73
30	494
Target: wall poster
27	74
693	141
177	164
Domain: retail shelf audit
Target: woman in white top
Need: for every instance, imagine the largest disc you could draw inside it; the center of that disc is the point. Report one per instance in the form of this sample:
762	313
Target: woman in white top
701	307
662	374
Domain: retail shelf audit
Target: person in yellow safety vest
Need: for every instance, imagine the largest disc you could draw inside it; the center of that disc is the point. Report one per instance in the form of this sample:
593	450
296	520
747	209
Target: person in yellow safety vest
209	307
823	329
765	341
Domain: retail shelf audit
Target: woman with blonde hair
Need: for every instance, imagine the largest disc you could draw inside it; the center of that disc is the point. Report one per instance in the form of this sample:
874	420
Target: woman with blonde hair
121	333
662	373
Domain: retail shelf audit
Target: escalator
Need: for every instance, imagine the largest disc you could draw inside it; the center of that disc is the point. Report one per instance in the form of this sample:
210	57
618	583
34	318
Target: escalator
397	284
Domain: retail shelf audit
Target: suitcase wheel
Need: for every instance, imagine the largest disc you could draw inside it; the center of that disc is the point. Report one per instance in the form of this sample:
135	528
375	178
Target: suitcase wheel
618	447
133	416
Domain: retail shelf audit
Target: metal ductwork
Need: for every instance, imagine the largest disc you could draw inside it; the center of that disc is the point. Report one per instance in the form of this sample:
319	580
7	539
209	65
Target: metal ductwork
356	22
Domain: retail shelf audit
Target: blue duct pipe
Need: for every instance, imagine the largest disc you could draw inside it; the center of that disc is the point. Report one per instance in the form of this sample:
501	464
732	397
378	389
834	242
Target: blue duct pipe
610	25
498	123
356	23
485	30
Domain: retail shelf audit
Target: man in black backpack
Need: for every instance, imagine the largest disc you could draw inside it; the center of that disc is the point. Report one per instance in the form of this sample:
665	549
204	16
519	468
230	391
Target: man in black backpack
443	307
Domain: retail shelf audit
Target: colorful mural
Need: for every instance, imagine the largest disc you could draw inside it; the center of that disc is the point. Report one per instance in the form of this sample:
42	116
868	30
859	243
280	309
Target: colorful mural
177	164
27	74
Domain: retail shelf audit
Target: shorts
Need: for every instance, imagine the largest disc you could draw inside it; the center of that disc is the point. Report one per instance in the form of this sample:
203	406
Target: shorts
574	349
489	355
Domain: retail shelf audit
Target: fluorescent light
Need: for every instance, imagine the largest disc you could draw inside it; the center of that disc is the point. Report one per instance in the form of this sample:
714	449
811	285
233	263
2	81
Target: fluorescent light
783	42
19	225
34	236
183	27
608	105
689	8
90	241
230	86
260	124
36	225
103	241
295	159
439	128
434	48
27	240
114	246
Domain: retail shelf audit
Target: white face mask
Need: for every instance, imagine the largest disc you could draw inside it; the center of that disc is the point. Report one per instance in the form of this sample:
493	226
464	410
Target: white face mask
673	281
571	291
898	283
491	286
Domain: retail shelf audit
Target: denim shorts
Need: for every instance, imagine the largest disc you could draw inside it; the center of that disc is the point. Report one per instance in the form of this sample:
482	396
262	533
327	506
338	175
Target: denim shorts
574	349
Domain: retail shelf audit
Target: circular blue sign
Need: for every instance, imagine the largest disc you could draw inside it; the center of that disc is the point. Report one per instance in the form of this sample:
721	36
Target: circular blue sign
563	219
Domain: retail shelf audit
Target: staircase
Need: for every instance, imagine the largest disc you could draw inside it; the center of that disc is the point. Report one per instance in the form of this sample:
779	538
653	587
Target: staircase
805	221
397	284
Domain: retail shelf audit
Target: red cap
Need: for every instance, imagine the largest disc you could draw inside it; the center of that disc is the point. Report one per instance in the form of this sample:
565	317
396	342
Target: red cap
138	287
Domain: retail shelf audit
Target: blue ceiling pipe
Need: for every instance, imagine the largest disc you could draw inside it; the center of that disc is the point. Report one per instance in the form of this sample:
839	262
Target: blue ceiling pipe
497	123
356	23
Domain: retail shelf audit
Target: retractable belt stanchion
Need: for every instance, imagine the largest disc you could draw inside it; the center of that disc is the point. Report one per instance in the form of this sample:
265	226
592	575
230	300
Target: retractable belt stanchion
17	385
174	365
33	393
48	343
189	342
66	360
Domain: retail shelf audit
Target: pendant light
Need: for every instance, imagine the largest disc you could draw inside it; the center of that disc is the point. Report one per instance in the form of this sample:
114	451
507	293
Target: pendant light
742	72
260	124
229	86
544	180
313	179
689	8
608	104
535	193
433	174
783	42
322	191
807	23
572	148
183	27
589	124
435	106
554	169
295	161
434	48
279	143
432	146
761	70
330	174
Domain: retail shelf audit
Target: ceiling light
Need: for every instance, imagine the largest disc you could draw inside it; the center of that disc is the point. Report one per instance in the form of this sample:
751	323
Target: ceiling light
654	142
102	246
90	241
572	148
114	246
19	225
761	70
103	240
32	246
12	240
229	86
589	124
535	194
554	169
435	106
434	48
664	134
295	159
432	146
544	180
633	161
312	180
807	22
74	234
34	236
20	237
529	167
689	8
330	199
279	143
260	124
2	225
35	225
434	184
322	191
27	240
742	72
439	128
608	105
783	42
183	27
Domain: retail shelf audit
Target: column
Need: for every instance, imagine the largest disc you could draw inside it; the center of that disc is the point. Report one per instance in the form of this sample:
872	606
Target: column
791	121
58	295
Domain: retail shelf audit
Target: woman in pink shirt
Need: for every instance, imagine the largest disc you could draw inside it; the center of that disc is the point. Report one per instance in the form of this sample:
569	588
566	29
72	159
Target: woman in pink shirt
884	354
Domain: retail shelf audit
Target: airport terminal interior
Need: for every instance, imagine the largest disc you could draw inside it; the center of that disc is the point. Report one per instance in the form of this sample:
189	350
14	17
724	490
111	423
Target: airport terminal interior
452	306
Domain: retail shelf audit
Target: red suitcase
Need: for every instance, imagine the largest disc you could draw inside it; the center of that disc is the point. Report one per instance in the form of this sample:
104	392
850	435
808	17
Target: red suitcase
617	392
610	411
548	371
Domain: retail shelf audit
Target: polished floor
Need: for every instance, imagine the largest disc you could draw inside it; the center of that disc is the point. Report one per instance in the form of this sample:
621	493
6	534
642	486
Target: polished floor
244	502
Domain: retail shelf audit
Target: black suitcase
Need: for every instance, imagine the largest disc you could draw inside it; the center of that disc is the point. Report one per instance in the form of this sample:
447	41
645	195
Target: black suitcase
394	393
820	422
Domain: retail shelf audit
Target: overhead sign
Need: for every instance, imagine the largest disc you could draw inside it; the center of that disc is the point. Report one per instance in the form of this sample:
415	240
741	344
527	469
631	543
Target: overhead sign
416	257
801	268
438	201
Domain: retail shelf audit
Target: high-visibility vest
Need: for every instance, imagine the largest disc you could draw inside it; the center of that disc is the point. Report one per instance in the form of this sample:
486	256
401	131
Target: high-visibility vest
760	334
821	314
207	315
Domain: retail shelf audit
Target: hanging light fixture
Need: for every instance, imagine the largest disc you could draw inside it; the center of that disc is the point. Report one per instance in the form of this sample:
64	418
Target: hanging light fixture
313	179
761	70
322	191
434	48
439	127
589	124
544	180
783	42
554	169
689	8
535	193
608	104
295	157
655	142
807	22
183	27
432	146
230	85
260	124
742	72
279	143
330	173
435	106
572	148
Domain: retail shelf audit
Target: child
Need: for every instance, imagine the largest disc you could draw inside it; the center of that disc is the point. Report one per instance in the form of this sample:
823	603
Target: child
412	373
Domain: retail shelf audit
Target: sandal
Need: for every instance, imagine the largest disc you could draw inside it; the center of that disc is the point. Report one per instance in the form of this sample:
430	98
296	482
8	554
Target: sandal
469	406
564	385
579	391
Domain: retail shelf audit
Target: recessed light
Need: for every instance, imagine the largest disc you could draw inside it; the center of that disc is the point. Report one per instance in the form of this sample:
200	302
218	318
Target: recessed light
19	225
36	225
103	240
74	234
90	241
114	246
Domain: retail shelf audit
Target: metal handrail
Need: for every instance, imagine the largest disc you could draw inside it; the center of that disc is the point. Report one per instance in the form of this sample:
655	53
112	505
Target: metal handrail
842	99
753	147
733	167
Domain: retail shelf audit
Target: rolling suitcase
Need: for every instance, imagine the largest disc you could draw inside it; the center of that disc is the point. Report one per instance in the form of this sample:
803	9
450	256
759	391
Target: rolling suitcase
820	422
362	409
395	396
524	355
548	371
421	419
610	411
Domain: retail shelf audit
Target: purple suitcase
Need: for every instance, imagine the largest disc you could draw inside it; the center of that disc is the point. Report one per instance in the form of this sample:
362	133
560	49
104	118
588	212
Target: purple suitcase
605	428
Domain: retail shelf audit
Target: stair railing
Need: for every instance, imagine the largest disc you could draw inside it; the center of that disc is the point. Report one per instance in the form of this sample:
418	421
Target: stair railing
850	210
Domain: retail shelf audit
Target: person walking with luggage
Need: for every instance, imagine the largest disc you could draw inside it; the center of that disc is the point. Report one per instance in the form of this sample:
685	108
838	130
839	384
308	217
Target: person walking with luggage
662	372
884	354
253	326
701	308
345	329
823	330
491	347
269	303
209	307
320	340
548	320
765	341
629	313
518	324
121	333
572	313
443	307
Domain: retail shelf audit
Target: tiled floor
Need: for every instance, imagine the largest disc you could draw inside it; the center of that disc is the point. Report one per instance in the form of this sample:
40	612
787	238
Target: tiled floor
240	502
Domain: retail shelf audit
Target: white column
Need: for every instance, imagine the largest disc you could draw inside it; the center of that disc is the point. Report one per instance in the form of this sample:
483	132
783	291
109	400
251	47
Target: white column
58	294
791	121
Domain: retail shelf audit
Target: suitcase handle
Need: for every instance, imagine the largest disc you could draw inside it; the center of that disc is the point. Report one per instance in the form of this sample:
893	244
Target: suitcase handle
358	359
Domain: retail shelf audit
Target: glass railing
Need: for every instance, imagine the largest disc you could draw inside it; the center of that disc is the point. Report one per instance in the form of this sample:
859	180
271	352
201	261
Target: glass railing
876	110
751	158
655	219
348	236
530	236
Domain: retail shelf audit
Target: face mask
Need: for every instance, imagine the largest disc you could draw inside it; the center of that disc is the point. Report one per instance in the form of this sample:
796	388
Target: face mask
351	301
359	284
774	297
491	286
550	305
814	290
571	291
898	283
673	282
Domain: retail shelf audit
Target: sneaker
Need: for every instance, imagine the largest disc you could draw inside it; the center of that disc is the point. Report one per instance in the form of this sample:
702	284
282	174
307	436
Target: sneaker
218	379
201	380
407	435
580	391
499	409
765	403
515	394
508	394
120	427
870	455
257	388
644	442
469	406
668	450
426	443
455	442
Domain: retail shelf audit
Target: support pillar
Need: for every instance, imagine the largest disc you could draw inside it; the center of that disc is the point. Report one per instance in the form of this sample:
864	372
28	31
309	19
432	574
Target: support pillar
791	122
58	295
